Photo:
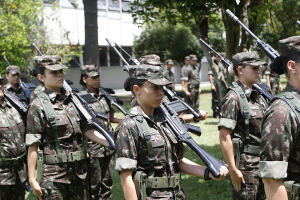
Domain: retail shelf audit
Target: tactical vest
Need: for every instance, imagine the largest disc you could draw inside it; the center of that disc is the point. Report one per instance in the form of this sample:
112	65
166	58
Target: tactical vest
142	180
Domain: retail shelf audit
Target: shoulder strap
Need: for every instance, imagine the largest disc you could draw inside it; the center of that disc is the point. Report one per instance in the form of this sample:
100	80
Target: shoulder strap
290	99
244	107
146	132
51	117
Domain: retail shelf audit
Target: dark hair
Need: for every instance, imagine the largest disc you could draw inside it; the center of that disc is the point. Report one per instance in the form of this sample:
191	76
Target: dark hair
235	69
279	64
81	81
138	82
34	72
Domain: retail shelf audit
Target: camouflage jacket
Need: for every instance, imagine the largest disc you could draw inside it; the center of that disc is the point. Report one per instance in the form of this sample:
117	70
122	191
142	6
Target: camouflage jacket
280	142
170	76
192	75
132	153
183	73
12	132
273	76
101	106
70	132
231	118
10	89
216	71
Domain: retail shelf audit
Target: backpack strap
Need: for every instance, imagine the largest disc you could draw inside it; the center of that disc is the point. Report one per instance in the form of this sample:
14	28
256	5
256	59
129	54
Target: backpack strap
244	107
51	117
146	132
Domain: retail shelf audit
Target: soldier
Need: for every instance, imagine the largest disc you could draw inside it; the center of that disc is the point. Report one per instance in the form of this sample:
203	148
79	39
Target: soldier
168	74
101	158
273	81
279	149
192	86
240	121
142	161
218	85
182	72
54	126
12	149
12	74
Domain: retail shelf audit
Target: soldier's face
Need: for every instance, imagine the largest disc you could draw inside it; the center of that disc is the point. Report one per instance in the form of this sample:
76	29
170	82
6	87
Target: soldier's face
169	66
149	95
193	62
251	73
53	80
186	62
92	82
1	89
12	78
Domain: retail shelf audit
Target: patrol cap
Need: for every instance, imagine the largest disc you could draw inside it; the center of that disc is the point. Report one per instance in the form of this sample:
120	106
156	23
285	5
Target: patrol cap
187	58
13	69
2	78
193	57
90	70
153	74
289	45
169	62
51	62
151	59
247	58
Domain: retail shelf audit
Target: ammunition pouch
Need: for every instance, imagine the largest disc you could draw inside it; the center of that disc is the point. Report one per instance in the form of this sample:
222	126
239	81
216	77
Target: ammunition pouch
66	157
141	180
13	161
237	145
39	164
292	189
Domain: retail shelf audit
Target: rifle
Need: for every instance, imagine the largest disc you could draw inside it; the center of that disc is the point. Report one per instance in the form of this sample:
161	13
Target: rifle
181	130
267	49
23	86
85	111
262	88
112	99
170	93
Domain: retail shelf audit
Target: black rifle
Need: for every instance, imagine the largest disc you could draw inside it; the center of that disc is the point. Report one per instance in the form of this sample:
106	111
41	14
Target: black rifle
112	99
18	104
85	111
181	130
268	50
262	88
23	86
170	93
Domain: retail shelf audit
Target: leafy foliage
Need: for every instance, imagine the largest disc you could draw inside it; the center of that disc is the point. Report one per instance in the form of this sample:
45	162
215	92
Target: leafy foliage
21	24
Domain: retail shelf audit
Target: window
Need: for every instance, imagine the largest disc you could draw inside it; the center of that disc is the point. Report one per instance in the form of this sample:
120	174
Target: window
126	5
101	4
113	5
114	57
73	63
103	56
49	1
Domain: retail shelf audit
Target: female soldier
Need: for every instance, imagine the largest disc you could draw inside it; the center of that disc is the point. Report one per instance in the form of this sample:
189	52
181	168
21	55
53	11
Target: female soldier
101	158
54	126
13	172
148	155
279	164
240	118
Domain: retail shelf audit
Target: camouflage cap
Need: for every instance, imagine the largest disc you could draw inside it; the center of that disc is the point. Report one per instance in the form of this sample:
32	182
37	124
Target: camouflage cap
289	45
151	59
187	58
247	58
193	57
90	70
169	62
2	78
153	74
52	62
13	69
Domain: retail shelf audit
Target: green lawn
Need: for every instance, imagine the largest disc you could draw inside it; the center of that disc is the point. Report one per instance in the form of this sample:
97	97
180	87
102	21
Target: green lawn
194	187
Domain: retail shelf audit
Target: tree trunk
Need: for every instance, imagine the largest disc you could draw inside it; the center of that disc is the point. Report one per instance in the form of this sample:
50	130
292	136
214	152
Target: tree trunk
91	48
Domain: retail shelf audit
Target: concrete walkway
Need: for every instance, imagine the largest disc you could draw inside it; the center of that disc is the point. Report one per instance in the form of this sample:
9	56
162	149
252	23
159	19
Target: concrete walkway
123	92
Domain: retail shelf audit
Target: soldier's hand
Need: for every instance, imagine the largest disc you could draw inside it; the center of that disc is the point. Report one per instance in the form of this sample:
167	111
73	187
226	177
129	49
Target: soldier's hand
213	88
203	114
199	89
188	93
223	173
37	190
237	179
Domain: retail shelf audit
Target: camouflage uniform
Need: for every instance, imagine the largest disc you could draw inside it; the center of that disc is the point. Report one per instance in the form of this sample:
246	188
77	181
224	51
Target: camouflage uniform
131	147
220	84
13	70
67	179
279	148
231	118
169	74
13	173
192	75
101	158
274	81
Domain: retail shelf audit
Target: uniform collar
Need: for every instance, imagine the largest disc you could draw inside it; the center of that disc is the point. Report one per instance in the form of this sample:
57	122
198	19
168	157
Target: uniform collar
56	95
6	104
290	88
99	93
248	91
9	87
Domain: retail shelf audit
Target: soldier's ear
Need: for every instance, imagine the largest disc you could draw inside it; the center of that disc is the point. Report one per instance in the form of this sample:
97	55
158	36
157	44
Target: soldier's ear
84	79
291	65
6	76
41	77
136	90
240	70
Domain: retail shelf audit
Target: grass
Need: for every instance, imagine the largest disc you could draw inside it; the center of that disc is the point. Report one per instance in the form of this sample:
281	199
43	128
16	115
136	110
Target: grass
194	187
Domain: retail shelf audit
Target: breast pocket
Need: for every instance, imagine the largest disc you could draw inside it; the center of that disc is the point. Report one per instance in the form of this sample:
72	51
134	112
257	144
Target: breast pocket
19	123
62	122
3	124
256	116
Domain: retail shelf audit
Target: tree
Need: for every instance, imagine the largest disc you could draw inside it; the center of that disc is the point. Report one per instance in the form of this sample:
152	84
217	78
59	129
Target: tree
21	24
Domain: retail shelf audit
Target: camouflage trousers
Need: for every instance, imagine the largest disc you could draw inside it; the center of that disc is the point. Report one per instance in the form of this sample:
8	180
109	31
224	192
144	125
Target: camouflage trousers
100	176
16	192
77	190
170	194
194	99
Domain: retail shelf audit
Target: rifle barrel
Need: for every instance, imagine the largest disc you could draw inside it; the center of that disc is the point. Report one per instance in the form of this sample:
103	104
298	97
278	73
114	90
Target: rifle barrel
6	60
114	47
